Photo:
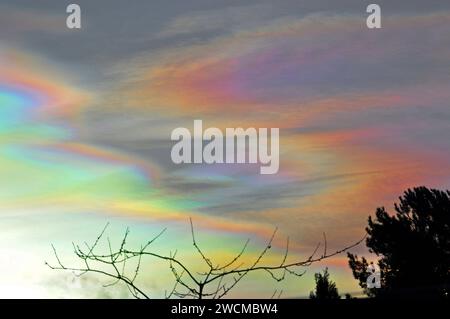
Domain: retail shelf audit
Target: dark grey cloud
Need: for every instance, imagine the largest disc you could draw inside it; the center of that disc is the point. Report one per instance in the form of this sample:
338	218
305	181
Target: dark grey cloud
117	29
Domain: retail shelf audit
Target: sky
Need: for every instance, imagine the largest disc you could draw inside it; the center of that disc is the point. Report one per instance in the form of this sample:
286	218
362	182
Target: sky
86	117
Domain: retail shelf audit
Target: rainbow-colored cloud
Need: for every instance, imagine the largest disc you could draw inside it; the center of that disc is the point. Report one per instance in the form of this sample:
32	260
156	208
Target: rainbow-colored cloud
85	122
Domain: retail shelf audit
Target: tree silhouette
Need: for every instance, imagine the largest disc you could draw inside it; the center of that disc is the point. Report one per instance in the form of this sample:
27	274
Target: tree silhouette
413	247
325	288
215	282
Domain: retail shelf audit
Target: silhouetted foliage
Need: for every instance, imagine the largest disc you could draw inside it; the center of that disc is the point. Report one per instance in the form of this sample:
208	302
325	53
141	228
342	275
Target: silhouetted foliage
325	288
413	247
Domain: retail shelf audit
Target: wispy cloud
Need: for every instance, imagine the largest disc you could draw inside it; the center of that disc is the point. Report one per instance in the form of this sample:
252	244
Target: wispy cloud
86	130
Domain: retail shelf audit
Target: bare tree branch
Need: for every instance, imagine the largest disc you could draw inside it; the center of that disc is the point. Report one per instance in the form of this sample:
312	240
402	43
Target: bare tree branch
216	282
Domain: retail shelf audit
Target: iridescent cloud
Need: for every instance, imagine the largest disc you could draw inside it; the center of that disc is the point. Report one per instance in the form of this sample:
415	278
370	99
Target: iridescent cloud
363	115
